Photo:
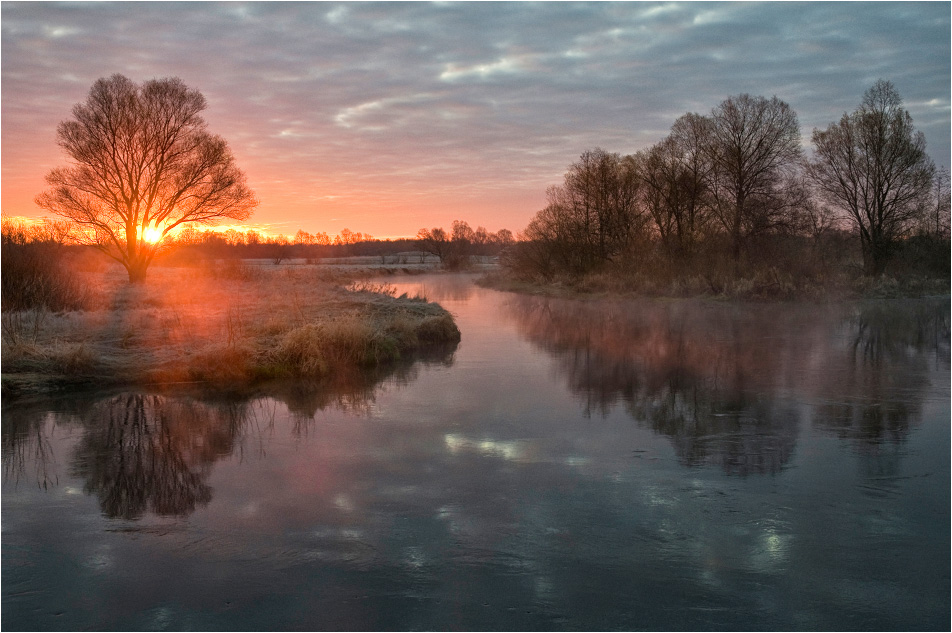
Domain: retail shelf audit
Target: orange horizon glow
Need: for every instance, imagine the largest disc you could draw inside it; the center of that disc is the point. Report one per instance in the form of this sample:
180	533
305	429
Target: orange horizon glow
153	234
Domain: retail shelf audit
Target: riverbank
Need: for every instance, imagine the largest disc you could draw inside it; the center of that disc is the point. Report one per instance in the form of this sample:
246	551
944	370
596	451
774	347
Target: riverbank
769	285
227	326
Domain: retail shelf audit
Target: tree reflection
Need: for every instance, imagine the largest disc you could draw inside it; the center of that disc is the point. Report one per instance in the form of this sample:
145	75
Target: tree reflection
686	371
890	347
715	378
26	443
150	453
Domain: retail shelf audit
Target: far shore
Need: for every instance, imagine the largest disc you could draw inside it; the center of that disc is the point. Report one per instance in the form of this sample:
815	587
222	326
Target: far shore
768	286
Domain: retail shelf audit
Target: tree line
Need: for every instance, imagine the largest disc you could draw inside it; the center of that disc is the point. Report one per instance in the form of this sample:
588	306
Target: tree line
726	188
454	249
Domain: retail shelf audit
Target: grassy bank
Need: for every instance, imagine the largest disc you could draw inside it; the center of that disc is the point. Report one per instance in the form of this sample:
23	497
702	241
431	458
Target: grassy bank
227	325
768	284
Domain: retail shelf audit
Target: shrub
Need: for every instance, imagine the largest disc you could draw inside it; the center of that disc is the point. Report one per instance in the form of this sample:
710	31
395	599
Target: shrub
311	350
921	255
35	276
231	269
438	329
36	272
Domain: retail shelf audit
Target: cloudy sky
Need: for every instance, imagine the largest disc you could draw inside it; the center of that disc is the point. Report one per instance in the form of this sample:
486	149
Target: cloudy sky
385	118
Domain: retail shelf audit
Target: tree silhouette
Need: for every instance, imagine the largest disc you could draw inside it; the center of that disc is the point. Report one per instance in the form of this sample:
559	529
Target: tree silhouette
142	164
873	166
675	173
753	142
590	220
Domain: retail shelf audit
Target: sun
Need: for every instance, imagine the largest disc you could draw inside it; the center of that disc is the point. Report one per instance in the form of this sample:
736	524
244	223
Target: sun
152	234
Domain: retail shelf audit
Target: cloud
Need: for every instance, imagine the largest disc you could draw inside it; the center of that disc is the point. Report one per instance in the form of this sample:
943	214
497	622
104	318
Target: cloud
436	111
382	114
511	65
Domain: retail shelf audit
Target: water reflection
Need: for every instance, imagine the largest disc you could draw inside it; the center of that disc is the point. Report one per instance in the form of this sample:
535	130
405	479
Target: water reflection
149	453
716	379
27	450
354	392
883	371
478	498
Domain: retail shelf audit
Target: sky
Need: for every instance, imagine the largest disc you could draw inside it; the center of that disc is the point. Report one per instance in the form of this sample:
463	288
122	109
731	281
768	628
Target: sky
385	118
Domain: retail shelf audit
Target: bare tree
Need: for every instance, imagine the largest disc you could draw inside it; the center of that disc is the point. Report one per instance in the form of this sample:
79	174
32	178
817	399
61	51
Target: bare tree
142	165
502	238
873	166
675	173
462	242
691	134
279	249
753	142
935	220
545	247
594	218
434	241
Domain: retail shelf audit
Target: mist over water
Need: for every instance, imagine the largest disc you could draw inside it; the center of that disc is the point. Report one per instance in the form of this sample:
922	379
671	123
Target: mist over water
570	465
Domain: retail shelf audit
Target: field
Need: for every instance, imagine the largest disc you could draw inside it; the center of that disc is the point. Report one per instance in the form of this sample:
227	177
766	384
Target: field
228	324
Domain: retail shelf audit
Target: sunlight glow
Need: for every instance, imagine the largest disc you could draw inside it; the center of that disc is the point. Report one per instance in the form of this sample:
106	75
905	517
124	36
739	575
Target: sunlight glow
152	234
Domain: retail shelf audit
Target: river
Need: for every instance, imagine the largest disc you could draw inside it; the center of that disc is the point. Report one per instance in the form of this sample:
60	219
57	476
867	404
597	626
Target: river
596	465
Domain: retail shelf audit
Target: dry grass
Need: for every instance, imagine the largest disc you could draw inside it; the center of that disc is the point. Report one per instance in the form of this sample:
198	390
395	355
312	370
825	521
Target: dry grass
768	283
229	325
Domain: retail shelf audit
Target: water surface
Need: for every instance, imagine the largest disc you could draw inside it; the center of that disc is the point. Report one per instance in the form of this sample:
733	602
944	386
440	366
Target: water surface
571	465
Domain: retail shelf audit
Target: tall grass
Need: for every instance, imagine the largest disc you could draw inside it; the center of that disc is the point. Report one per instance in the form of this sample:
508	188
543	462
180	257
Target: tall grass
314	349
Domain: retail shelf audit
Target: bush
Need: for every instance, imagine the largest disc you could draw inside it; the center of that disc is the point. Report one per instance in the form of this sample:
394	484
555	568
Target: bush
36	276
921	255
438	329
313	349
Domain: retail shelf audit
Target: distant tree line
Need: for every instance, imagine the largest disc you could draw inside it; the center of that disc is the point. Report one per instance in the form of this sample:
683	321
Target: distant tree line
733	191
253	244
456	248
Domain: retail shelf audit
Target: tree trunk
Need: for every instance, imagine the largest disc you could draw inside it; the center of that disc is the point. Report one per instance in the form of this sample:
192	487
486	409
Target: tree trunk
736	236
136	272
875	258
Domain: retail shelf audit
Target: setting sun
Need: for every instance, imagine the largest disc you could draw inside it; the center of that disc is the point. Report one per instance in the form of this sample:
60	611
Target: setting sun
152	234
